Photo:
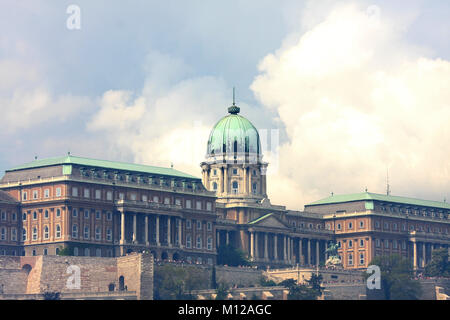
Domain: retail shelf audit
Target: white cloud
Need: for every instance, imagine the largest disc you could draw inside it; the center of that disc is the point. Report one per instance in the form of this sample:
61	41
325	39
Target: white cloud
355	99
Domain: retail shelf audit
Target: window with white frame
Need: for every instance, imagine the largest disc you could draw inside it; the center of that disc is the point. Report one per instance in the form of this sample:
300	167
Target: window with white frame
98	233
86	232
109	195
133	196
35	232
209	226
109	216
188	204
58	231
2	233
58	192
46	193
86	214
87	193
209	243
46	214
155	199
188	241
46	233
208	206
98	194
166	200
199	225
377	242
24	216
58	212
35	194
178	201
121	196
198	205
75	231
24	196
214	186
108	234
386	243
350	259
144	198
13	234
74	213
235	187
24	234
350	225
199	242
361	224
350	243
188	224
98	215
74	192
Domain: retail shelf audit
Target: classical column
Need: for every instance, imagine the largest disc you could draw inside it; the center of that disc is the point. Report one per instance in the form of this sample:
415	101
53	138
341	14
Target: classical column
157	231
309	251
256	245
221	180
245	181
180	234
168	232
424	254
285	249
122	227
134	227
275	247
252	245
288	249
266	246
415	255
146	230
317	252
217	238
250	180
227	238
225	179
300	253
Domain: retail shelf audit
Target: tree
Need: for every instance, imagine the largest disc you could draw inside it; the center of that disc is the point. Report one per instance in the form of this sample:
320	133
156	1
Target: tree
267	283
222	291
439	265
177	283
67	251
396	278
213	278
231	256
301	291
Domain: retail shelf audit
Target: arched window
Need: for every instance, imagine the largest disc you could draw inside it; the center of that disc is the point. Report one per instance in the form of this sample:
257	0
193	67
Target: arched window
254	187
86	252
75	251
214	186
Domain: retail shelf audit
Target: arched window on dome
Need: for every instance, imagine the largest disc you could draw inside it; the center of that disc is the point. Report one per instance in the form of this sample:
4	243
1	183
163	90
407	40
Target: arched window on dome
235	146
235	187
214	186
254	187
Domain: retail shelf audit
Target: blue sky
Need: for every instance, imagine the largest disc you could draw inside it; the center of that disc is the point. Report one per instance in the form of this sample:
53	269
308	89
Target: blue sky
139	72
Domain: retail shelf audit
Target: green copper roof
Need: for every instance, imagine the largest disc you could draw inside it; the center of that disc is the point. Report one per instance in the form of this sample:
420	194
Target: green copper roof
380	197
260	218
114	165
233	133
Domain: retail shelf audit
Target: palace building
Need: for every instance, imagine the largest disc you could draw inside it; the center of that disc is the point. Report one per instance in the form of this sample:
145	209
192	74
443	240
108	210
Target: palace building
105	208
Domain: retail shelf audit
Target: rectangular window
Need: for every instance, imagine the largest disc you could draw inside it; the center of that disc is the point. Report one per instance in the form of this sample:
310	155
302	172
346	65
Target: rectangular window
86	214
188	224
35	194
13	234
122	196
108	234
178	202
87	193
188	204
98	194
155	199
109	216
361	259
166	200
98	215
74	213
24	196
199	225
144	198
209	206
109	195
58	213
198	205
209	226
46	193
58	192
74	192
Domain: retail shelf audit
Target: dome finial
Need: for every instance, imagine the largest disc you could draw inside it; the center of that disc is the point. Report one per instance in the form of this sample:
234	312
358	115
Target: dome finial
234	109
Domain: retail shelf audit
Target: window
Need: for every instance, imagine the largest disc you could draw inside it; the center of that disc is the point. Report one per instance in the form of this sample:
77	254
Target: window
86	214
108	234
24	234
46	233
87	193
74	213
24	196
46	193
199	242
215	172
34	215
361	258
35	194
178	202
133	197
86	232
3	215
386	243
209	226
121	196
13	234
109	195
394	244
235	187
33	252
386	226
34	233
350	259
377	224
75	251
188	241
46	214
24	216
74	231
377	242
144	198
199	225
188	204
214	186
350	243
198	205
403	244
98	233
235	171
109	216
339	244
86	252
57	251
98	252
58	231
58	192
74	192
188	224
208	206
58	213
254	187
394	226
350	225
98	194
361	224
98	215
166	200
338	226
155	199
209	243
3	233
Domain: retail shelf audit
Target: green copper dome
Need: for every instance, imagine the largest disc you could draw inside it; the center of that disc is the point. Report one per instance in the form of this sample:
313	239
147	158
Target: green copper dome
233	134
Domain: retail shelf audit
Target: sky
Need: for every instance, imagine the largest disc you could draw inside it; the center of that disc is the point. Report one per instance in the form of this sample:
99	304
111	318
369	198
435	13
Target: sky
344	91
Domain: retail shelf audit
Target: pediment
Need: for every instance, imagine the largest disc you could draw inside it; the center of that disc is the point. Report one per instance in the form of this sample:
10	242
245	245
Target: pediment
269	221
